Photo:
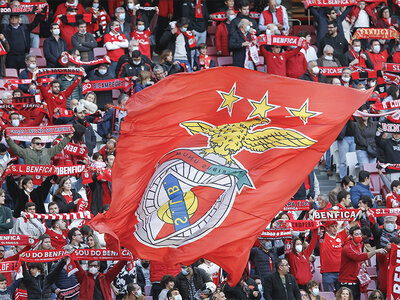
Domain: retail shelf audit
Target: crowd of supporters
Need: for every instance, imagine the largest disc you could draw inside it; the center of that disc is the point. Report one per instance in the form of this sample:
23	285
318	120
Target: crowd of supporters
133	45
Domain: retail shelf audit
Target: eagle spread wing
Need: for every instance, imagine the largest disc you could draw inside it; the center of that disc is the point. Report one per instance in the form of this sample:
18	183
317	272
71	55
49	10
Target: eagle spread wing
269	138
197	127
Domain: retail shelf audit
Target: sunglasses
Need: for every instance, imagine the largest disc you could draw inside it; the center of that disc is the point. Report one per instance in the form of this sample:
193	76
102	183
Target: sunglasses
40	144
377	297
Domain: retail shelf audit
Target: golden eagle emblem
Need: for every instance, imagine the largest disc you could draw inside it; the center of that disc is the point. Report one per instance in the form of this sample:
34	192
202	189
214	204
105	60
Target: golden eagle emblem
229	139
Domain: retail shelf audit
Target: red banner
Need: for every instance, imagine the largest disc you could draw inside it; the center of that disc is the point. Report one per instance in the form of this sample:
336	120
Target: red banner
181	210
335	215
107	85
296	205
39	131
391	67
8	266
329	3
332	71
16	240
375	33
59	71
280	40
393	284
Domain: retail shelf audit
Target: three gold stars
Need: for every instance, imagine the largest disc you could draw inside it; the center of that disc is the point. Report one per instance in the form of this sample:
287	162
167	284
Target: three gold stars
229	99
303	113
262	107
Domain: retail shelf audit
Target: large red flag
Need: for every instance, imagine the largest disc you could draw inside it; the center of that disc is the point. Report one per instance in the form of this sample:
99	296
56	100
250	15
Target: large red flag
206	160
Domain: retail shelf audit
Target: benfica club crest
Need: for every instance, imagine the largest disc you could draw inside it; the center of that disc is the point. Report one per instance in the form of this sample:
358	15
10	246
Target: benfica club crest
193	189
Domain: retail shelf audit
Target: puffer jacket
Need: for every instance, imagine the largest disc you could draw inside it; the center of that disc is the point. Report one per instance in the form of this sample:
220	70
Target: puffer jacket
39	288
200	277
37	157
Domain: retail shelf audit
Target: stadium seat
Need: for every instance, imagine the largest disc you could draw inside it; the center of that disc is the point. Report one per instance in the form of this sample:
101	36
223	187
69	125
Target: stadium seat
376	182
211	30
261	61
261	68
210	40
351	162
37	52
317	276
11	73
328	295
211	51
225	61
335	155
41	62
99	52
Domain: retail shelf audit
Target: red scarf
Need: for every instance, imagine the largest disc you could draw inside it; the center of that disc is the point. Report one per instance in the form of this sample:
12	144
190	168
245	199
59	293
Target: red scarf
204	61
361	61
190	36
198	10
268	18
294	205
375	33
331	71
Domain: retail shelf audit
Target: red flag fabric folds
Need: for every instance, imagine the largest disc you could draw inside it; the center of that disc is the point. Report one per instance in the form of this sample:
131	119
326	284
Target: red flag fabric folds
207	159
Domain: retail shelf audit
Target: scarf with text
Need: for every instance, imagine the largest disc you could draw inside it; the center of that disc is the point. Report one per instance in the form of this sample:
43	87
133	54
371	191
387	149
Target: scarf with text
69	293
393	104
303	225
66	58
16	240
391	67
107	85
74	19
14	82
390	166
65	216
331	71
59	71
8	266
393	285
26	9
278	40
329	3
76	150
391	78
26	99
46	133
296	205
18	107
375	33
274	234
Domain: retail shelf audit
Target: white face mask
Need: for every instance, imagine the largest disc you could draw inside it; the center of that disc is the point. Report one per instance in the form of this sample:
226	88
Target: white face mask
56	31
3	290
248	28
315	70
372	83
231	17
183	29
357	49
345	79
130	5
32	66
178	297
377	48
327	57
278	2
102	71
135	48
95	5
93	270
122	17
15	122
140	27
299	248
315	291
389	227
26	1
136	62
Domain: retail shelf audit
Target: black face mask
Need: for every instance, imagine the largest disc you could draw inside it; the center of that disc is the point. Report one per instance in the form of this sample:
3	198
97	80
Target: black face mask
145	265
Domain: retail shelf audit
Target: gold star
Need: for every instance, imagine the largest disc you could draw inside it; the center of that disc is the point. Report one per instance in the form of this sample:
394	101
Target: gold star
261	108
303	113
229	99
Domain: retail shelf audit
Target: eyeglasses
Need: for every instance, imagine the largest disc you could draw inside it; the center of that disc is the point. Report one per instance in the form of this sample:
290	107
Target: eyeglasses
377	297
78	234
39	144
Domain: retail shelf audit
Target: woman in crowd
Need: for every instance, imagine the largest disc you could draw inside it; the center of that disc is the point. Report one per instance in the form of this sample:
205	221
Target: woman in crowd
92	242
344	293
143	81
89	102
376	295
167	62
313	291
66	197
386	20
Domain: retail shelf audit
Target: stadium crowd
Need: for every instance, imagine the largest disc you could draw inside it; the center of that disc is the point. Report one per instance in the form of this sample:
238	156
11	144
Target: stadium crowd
74	64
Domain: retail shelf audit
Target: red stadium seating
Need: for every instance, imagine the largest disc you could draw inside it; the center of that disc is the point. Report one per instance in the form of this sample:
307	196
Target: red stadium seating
211	30
212	51
37	51
225	61
11	73
41	62
99	52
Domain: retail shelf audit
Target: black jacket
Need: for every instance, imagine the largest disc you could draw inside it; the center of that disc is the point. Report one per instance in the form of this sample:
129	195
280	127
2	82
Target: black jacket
237	292
168	42
103	97
189	11
390	150
38	195
128	58
39	288
307	76
236	39
261	260
96	187
339	44
274	289
52	50
129	69
86	46
239	17
347	58
364	136
200	277
171	68
62	202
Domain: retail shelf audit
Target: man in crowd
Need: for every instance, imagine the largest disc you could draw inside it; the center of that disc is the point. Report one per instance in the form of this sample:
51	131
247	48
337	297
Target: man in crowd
115	42
333	38
54	46
361	188
27	73
313	73
84	41
31	227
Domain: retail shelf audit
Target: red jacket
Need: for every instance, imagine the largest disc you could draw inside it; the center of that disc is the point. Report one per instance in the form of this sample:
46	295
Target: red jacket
378	58
158	270
299	263
87	282
222	39
62	9
296	65
383	260
276	63
350	262
66	33
165	7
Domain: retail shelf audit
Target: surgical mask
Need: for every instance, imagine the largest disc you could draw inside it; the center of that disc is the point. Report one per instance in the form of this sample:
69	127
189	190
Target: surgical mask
140	27
299	248
148	82
37	274
139	293
315	70
78	58
145	265
32	92
32	66
389	227
183	29
328	57
278	2
122	17
3	290
136	62
130	6
377	49
56	31
71	75
315	291
185	271
93	270
247	28
15	122
357	239
231	17
260	287
372	83
178	297
135	48
95	5
102	71
348	189
26	1
357	49
345	79
267	245
73	13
